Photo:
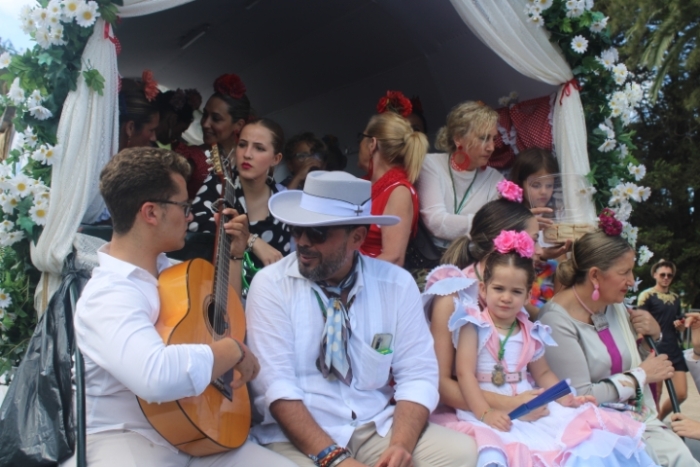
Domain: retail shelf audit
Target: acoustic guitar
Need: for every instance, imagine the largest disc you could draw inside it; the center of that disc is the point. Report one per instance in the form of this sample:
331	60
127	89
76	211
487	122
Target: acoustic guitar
198	306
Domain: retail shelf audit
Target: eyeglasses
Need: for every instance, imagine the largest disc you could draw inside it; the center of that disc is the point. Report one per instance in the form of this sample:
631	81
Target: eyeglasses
665	275
317	235
361	136
185	205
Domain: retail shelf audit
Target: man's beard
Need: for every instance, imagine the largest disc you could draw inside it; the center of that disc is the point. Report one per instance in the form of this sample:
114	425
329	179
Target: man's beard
326	266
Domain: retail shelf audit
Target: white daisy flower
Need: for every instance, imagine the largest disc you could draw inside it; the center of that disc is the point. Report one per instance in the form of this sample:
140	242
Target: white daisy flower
40	113
52	154
639	171
579	44
588	4
5	60
54	8
20	185
537	20
588	191
34	99
16	93
644	255
623	151
620	70
8	202
56	33
13	237
30	138
42	36
634	93
38	213
607	146
630	233
599	26
6	225
610	134
71	7
644	193
575	8
40	16
608	58
543	4
87	14
5	299
631	191
39	154
623	212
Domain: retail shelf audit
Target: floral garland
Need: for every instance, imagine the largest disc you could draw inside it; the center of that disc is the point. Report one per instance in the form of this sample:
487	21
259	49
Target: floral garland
39	81
609	96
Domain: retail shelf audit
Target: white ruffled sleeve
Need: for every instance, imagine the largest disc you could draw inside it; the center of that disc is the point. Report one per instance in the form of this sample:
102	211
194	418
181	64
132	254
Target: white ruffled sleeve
542	335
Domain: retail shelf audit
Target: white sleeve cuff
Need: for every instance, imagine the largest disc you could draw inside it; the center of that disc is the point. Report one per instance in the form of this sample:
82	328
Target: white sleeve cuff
624	385
420	392
282	389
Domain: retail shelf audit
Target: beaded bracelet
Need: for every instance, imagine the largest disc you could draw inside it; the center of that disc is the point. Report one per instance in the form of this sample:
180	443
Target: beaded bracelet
339	459
329	458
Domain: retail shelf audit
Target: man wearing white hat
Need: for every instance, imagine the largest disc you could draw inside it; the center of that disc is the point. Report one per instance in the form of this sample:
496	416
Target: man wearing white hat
331	329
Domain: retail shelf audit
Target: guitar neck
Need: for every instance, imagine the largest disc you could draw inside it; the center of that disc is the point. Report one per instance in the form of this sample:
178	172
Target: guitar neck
223	252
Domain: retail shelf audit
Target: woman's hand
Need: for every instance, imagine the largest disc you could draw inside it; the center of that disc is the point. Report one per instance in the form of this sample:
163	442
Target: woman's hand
265	252
692	321
556	251
570	400
657	367
498	420
684	426
544	222
644	324
236	227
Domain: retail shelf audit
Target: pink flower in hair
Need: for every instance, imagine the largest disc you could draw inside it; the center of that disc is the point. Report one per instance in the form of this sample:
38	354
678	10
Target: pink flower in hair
519	242
510	191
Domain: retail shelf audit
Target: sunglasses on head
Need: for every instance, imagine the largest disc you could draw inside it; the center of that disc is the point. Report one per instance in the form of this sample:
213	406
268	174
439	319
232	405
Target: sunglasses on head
315	235
665	275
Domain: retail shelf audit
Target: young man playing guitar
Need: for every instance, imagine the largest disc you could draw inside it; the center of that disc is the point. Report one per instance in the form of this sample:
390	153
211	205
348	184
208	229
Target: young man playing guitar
125	357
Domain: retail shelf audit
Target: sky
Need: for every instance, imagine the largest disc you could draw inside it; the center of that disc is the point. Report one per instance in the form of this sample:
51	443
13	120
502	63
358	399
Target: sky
9	23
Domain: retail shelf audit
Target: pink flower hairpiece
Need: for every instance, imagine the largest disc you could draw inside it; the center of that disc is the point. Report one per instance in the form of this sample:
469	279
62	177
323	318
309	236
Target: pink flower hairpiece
519	242
510	191
608	223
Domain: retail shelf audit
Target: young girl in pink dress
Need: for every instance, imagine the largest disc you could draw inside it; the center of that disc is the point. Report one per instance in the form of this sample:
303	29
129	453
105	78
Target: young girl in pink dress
500	350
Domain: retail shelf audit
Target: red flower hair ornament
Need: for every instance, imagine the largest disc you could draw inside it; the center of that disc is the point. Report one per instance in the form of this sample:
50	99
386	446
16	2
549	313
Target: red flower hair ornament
608	223
396	102
150	86
230	85
509	241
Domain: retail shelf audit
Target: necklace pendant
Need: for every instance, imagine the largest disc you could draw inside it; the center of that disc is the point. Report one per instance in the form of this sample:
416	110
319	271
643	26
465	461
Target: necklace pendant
498	376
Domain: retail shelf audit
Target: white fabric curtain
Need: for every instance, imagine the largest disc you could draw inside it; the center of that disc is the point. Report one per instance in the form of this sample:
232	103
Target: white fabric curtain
88	132
503	26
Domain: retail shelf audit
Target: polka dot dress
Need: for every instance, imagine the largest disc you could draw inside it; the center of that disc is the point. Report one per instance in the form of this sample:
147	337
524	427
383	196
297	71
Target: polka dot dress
272	231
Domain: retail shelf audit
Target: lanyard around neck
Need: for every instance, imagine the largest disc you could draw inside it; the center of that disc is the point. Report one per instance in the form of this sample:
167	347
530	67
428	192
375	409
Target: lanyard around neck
502	343
458	209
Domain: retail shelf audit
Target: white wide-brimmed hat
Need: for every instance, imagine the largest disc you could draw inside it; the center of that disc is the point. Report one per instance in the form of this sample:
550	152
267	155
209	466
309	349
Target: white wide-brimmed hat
329	198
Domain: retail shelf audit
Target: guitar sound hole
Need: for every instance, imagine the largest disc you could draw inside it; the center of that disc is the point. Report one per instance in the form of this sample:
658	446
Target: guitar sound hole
218	324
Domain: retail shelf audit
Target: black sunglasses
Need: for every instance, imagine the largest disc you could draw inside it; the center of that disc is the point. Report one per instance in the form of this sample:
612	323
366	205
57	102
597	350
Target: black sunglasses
317	235
185	205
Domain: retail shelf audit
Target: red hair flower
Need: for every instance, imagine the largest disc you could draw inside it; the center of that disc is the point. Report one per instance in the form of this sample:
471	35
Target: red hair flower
396	102
510	191
608	223
150	86
230	85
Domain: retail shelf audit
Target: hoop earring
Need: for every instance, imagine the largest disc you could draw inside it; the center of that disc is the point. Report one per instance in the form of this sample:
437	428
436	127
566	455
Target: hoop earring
465	164
595	296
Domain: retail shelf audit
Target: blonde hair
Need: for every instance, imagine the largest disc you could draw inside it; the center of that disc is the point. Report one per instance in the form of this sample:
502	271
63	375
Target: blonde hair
466	118
595	249
398	143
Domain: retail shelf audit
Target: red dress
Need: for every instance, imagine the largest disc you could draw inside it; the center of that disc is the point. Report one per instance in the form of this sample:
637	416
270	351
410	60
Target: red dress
381	191
200	166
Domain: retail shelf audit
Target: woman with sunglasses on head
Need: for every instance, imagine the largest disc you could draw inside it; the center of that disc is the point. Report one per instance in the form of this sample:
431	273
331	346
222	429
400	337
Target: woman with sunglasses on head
302	154
258	151
665	307
455	184
393	154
